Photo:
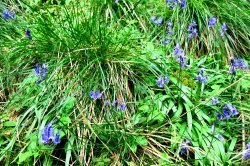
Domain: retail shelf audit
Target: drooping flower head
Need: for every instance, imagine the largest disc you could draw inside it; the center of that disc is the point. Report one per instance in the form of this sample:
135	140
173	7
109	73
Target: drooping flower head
28	35
169	24
183	4
223	29
8	14
214	101
161	81
40	73
232	109
220	137
96	94
158	21
246	154
170	32
44	70
48	135
184	146
122	106
166	41
212	22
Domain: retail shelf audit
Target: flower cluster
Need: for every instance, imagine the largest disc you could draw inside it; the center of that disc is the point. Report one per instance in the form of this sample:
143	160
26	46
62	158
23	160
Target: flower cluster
8	14
174	3
237	63
200	77
192	30
184	146
179	53
212	22
223	29
158	21
40	73
214	101
247	153
161	81
48	135
227	108
95	94
169	32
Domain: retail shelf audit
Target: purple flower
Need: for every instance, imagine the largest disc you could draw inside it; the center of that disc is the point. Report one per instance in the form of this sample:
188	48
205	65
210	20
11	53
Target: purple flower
166	40
184	146
220	137
183	4
38	81
201	70
232	109
28	35
95	94
37	70
122	106
169	24
190	36
114	102
212	22
247	153
170	32
171	6
232	69
201	78
44	70
7	14
178	51
239	63
226	114
48	135
219	116
161	81
223	29
106	102
159	21
153	19
191	26
215	101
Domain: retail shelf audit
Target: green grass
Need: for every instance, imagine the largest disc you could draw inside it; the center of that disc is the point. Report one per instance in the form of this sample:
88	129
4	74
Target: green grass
115	48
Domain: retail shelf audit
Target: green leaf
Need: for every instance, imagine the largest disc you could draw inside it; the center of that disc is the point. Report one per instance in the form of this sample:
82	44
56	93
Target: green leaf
141	140
24	157
9	123
133	147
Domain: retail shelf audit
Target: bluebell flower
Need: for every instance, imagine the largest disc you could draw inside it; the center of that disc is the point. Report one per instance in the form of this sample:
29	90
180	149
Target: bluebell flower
153	18
37	70
169	24
27	32
191	26
232	69
184	146
122	106
7	14
170	32
239	63
232	109
48	135
226	114
183	4
106	102
223	29
161	81
114	103
201	78
219	116
214	101
171	6
96	94
157	21
166	41
212	22
201	70
220	137
247	153
178	51
44	70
